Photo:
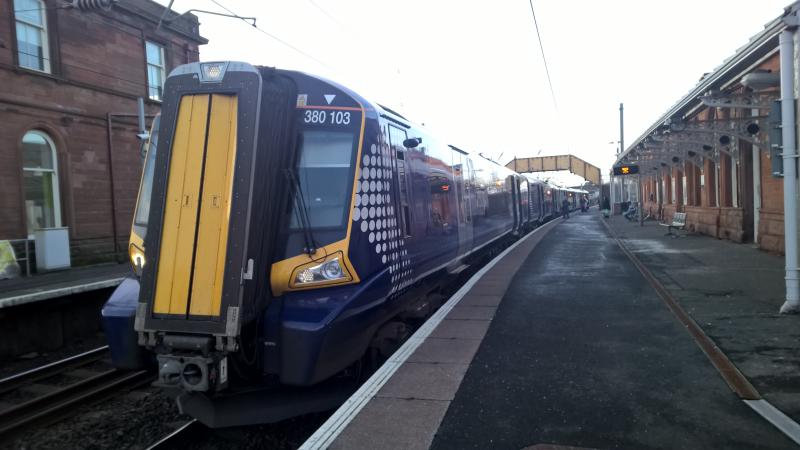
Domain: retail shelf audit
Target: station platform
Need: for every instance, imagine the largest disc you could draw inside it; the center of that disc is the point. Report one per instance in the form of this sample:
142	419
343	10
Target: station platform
23	290
569	340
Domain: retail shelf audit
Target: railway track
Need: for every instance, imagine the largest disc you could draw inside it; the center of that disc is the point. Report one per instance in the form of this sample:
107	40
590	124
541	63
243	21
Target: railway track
50	392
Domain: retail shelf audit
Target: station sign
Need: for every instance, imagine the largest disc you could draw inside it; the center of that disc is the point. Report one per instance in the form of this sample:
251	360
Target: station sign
626	169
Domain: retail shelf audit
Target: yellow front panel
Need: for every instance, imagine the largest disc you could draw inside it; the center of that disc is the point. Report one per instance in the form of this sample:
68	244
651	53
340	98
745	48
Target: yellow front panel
180	214
212	234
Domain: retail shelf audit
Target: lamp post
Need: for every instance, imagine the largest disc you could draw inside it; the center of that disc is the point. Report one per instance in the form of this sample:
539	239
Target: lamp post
612	182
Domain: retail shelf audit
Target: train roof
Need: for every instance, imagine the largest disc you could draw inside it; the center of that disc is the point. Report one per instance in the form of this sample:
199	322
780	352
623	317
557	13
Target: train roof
369	106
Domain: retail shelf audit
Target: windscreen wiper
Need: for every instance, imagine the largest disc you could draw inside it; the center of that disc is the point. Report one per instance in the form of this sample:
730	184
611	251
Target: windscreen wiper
302	213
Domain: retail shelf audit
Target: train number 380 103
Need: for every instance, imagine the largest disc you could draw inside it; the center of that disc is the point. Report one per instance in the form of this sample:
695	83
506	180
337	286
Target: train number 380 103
322	117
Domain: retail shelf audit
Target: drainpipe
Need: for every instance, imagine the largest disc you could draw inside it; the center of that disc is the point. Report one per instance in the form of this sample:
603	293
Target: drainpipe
735	180
756	187
110	156
788	125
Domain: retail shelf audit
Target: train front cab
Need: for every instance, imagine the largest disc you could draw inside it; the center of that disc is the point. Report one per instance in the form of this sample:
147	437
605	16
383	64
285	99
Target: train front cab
251	294
191	228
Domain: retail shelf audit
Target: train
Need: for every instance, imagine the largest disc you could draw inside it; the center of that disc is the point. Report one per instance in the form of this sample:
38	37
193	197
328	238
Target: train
289	232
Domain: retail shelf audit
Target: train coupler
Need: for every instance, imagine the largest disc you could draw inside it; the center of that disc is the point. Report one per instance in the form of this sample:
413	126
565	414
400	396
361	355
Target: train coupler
193	373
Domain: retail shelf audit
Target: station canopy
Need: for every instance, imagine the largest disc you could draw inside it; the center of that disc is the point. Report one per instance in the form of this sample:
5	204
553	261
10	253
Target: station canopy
728	106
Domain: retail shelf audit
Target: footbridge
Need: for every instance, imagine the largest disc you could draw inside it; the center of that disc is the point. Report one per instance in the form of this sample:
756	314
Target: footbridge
572	163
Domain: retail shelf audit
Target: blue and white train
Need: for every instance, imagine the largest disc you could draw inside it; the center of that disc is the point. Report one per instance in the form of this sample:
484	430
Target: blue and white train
287	231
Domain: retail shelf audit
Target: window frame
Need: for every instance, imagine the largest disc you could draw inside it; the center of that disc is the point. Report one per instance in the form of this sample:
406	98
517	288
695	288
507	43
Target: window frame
44	34
55	183
162	69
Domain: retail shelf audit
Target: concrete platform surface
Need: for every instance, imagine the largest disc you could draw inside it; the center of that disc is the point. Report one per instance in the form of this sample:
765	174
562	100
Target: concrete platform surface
733	291
564	344
55	284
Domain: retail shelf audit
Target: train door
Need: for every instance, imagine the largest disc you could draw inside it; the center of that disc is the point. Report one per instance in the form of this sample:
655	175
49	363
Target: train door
396	137
541	208
199	217
463	173
194	234
521	202
511	182
524	196
549	201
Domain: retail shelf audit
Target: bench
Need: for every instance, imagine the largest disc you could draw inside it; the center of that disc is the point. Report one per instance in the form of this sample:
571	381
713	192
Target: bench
678	223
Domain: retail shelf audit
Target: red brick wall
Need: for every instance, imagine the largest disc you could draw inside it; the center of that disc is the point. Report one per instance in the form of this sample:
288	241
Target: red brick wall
770	226
731	224
704	220
770	231
771	187
6	53
98	68
669	211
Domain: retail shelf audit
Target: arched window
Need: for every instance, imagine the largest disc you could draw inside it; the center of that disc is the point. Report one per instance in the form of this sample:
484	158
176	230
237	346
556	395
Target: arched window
40	179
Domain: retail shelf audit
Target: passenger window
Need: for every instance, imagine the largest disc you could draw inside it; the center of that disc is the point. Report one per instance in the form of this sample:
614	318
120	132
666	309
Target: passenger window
440	207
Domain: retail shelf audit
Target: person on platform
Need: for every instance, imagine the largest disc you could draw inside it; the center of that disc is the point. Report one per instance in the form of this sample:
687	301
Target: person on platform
565	208
630	214
605	207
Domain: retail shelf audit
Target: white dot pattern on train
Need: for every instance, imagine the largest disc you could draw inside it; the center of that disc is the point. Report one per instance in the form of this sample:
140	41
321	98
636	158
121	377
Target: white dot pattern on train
375	216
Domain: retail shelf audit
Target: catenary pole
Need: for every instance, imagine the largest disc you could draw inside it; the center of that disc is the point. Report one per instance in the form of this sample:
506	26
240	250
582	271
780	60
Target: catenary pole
621	150
788	125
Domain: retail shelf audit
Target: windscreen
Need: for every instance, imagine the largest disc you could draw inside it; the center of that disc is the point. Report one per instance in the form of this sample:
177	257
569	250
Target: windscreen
146	187
323	172
322	185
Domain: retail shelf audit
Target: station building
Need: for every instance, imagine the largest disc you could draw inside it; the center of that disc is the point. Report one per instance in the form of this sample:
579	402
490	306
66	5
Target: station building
716	155
71	73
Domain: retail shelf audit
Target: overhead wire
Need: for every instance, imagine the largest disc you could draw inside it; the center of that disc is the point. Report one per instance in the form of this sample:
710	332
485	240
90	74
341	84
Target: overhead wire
544	58
326	13
393	71
272	36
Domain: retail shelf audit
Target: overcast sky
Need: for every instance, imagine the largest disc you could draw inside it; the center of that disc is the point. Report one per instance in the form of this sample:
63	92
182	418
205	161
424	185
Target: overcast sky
473	72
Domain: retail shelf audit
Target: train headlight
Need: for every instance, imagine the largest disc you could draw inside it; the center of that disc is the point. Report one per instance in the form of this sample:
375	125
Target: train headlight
331	270
212	72
137	259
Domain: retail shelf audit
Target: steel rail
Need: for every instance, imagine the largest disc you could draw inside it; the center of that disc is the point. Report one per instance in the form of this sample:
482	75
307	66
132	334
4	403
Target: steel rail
15	381
59	401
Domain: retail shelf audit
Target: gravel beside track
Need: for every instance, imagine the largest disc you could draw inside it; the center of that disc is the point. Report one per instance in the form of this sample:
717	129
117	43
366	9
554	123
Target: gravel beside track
131	421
